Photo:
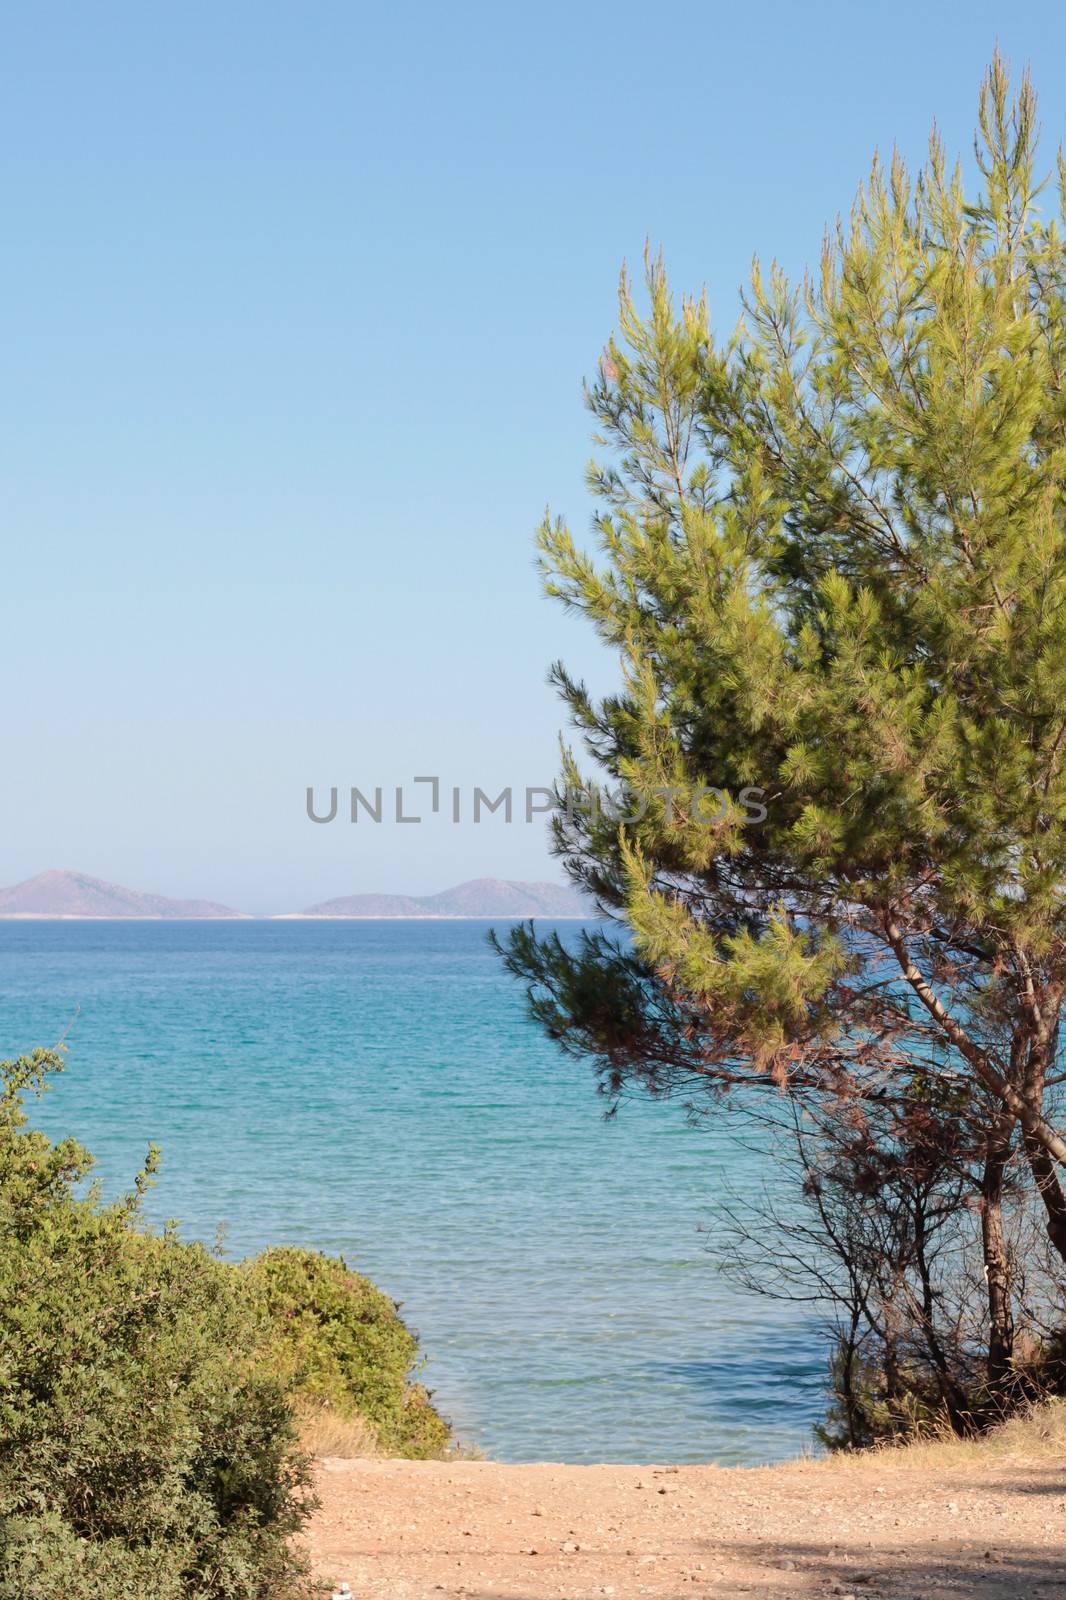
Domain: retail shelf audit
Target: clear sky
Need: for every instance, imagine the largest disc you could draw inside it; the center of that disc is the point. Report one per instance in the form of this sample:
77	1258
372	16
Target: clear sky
297	301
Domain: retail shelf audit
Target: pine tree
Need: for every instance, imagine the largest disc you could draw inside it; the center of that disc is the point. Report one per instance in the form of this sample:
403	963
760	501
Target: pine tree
833	567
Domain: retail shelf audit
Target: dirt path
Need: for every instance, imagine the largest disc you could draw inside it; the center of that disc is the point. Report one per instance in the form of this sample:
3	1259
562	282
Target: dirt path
423	1530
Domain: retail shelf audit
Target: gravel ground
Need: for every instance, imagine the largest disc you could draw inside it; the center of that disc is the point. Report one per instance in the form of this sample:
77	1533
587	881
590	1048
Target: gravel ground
869	1528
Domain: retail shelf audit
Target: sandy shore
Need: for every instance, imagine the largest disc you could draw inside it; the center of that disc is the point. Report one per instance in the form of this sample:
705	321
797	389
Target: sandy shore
941	1524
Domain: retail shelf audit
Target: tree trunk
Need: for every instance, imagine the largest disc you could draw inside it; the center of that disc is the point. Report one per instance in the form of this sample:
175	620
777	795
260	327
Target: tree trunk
997	1268
1041	1162
852	1409
1050	1191
950	1393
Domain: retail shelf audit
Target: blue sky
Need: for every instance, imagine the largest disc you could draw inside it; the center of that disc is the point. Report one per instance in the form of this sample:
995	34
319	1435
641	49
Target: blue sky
296	305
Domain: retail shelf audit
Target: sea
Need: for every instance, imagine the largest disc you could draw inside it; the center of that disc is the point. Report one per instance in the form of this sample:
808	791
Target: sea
375	1089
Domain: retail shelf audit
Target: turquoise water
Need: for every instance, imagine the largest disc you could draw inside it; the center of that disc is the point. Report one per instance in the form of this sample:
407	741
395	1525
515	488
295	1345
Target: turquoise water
374	1088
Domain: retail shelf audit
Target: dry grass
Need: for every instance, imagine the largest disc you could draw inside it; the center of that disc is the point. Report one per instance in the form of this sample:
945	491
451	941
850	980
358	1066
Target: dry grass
324	1433
1038	1437
1043	1433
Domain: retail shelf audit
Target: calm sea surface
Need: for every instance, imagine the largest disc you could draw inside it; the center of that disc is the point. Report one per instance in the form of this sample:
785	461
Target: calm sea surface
374	1089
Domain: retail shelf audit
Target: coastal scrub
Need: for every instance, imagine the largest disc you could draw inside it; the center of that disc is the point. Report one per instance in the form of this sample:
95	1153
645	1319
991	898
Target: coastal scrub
151	1394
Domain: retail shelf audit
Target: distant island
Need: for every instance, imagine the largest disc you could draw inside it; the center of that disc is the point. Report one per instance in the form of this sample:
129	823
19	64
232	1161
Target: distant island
75	895
481	897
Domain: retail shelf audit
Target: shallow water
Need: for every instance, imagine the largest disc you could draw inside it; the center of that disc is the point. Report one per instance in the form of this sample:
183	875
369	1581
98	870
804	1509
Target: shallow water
375	1089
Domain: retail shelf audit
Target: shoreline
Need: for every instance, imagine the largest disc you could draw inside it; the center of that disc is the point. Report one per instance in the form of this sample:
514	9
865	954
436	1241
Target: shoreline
429	916
300	916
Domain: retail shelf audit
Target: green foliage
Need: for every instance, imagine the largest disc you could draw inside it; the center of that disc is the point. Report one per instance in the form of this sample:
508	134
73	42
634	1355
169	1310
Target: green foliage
143	1446
43	1556
150	1393
338	1341
861	1412
871	1404
832	564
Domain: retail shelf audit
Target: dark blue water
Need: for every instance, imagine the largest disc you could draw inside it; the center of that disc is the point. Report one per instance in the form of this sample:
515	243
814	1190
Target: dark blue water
374	1088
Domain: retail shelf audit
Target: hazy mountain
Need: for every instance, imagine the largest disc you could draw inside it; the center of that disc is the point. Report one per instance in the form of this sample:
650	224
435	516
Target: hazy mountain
73	894
481	897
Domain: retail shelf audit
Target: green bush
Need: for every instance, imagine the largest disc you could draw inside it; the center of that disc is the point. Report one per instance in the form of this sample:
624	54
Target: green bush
150	1393
339	1342
144	1447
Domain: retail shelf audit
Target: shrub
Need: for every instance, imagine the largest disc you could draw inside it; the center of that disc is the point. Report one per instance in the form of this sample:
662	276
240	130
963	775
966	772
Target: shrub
339	1343
144	1447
